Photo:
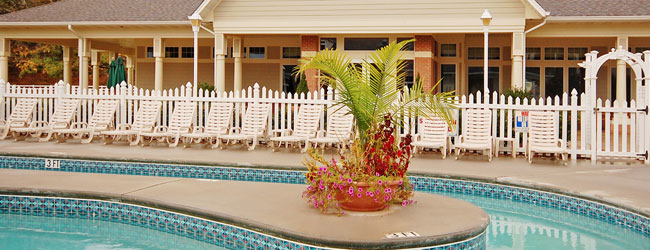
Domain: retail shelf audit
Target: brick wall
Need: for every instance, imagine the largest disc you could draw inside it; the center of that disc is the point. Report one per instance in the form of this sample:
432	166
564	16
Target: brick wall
311	44
423	65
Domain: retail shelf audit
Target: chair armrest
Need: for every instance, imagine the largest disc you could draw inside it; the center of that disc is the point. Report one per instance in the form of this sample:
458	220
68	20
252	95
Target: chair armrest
123	127
36	124
78	125
320	133
160	129
13	123
198	129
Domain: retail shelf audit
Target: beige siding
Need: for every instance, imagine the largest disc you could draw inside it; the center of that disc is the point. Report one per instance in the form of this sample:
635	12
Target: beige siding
365	16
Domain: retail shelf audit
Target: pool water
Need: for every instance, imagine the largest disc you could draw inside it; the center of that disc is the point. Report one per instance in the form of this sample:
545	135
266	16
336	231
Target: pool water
39	232
516	225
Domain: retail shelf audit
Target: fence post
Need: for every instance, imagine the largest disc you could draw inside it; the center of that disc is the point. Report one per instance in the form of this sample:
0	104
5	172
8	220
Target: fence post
60	91
3	86
189	91
574	124
123	102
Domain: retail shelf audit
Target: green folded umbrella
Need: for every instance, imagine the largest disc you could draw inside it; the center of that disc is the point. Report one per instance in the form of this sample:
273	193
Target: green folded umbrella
116	74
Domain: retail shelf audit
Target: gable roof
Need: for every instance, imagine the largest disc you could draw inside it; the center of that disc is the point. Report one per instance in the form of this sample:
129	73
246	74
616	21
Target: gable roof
596	8
106	11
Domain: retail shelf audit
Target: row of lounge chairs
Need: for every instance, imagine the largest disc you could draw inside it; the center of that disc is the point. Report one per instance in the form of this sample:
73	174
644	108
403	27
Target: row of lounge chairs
433	132
143	130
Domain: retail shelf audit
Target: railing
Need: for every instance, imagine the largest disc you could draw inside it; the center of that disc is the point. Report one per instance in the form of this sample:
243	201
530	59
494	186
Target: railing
574	113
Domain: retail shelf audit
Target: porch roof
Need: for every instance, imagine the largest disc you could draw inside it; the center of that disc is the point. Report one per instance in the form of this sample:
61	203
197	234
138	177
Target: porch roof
596	8
106	11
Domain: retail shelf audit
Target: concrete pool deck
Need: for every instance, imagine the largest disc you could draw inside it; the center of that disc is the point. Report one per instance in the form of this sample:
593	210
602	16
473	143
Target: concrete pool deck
275	209
622	183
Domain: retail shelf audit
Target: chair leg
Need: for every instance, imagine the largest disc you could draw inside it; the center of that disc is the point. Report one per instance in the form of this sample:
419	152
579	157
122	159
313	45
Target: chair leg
444	152
252	147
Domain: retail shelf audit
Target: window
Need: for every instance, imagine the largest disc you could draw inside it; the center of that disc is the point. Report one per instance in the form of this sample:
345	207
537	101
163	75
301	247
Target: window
448	50
256	52
475	79
290	52
408	46
532	80
171	52
553	53
576	80
641	49
408	73
448	74
149	52
577	53
554	80
365	43
533	53
328	43
187	52
476	53
289	81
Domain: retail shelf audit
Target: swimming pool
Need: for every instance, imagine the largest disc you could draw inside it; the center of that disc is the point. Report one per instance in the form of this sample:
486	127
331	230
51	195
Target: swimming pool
521	218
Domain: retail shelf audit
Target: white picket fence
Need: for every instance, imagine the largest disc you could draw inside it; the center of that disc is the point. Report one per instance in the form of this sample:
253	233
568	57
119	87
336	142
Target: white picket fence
620	129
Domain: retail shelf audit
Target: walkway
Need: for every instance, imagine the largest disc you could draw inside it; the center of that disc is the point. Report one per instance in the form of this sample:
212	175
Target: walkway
621	183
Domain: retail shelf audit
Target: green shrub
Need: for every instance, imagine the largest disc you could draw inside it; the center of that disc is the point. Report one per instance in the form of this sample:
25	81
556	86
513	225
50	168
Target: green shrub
302	85
520	93
203	86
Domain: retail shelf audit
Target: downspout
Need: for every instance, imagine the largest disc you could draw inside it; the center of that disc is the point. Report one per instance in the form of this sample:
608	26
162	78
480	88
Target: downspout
80	49
214	34
525	39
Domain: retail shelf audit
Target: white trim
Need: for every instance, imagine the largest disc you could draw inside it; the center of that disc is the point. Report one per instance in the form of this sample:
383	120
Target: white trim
538	8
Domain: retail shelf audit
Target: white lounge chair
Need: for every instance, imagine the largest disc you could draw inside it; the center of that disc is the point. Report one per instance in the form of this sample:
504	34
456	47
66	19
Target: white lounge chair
60	119
477	134
253	126
102	120
340	126
217	123
144	121
180	122
432	133
542	136
21	117
305	127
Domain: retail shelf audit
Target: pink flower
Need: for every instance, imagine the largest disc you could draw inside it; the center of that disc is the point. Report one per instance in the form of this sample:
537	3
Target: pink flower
379	182
404	203
335	185
350	190
321	187
329	196
358	195
400	182
387	190
349	180
386	197
360	190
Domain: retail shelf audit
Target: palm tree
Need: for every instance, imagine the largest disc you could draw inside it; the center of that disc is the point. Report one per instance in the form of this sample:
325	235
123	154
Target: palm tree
376	88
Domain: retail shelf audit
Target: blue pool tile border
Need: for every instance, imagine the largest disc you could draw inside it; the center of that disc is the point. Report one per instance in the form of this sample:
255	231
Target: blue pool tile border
593	209
211	232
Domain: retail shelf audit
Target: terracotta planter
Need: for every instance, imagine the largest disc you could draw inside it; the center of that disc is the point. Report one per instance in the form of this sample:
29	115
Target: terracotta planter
365	203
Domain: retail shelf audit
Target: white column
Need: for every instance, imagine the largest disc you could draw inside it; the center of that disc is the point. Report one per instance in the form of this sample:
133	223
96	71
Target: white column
5	52
237	50
67	68
486	88
518	52
130	63
95	63
158	53
84	57
621	73
220	50
195	30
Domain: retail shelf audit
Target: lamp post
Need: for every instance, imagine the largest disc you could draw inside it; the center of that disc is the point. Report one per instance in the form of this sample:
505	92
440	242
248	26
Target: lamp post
486	18
195	19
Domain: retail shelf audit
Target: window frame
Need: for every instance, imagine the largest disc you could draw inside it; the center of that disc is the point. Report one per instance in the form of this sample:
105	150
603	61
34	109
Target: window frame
448	55
547	54
147	53
291	47
177	52
350	39
183	52
250	49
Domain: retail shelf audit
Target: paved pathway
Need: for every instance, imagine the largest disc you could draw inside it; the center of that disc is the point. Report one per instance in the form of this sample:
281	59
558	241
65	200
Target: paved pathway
621	183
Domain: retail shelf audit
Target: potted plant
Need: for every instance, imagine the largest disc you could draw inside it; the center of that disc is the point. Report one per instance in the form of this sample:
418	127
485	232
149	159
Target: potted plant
372	175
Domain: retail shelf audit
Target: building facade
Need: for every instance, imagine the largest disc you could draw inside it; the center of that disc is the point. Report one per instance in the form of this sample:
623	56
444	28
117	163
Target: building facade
533	44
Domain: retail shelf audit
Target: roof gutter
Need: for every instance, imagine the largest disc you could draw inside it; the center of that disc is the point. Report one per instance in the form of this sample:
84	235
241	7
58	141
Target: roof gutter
598	18
96	23
74	31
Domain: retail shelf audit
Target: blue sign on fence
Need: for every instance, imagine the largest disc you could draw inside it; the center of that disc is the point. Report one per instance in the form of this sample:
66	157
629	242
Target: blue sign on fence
521	121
